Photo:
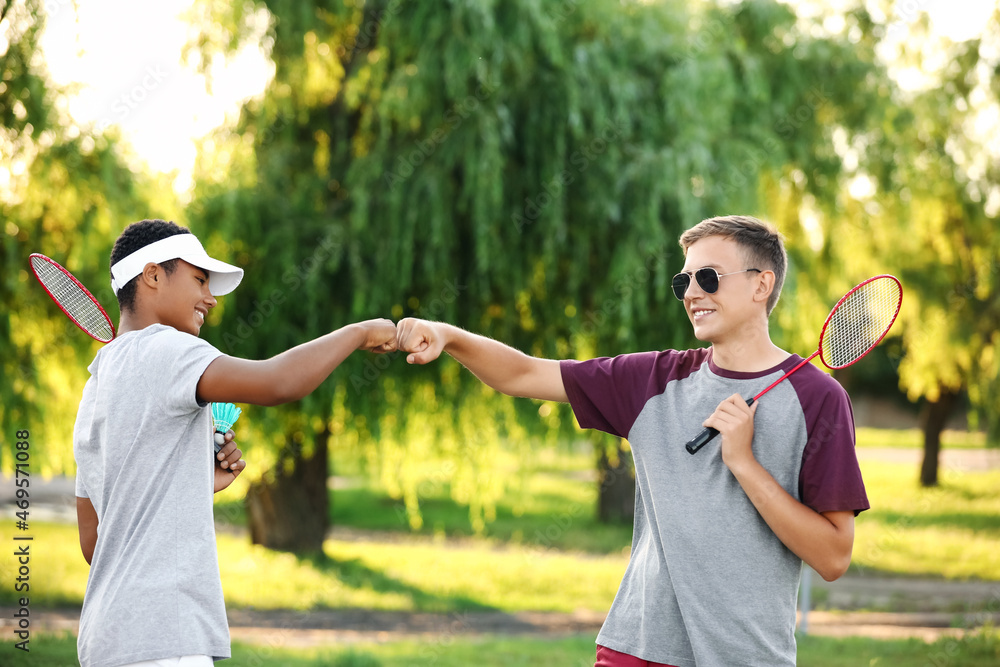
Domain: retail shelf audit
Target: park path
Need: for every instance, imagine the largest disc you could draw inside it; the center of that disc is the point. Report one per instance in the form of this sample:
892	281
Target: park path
958	460
297	629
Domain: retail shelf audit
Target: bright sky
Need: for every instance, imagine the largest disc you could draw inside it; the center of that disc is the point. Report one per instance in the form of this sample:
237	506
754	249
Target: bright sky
123	56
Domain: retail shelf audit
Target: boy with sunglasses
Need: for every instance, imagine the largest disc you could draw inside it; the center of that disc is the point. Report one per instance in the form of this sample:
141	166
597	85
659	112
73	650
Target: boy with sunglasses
718	537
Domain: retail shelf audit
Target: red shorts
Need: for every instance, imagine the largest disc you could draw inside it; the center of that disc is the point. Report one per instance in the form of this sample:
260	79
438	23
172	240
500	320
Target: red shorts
609	658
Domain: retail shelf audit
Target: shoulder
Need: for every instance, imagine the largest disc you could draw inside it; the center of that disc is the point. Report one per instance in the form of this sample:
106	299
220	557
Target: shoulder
813	385
679	364
642	374
670	364
160	337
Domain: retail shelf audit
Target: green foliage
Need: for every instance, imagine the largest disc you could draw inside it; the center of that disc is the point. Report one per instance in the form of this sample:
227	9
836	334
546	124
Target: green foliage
66	194
25	106
931	218
522	169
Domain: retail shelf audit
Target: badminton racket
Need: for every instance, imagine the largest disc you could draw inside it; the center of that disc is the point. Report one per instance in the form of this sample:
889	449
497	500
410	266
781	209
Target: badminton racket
84	310
858	323
73	298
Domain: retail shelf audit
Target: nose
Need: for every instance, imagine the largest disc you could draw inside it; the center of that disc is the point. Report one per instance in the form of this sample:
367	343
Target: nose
693	290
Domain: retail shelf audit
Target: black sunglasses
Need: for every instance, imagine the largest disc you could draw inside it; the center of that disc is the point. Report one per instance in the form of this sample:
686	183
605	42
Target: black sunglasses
708	280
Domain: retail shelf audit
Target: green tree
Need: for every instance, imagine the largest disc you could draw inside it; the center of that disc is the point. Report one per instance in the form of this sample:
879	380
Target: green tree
932	218
65	192
919	197
522	169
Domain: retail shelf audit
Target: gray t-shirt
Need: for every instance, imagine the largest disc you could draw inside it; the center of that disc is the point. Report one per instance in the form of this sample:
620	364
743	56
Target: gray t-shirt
708	583
144	454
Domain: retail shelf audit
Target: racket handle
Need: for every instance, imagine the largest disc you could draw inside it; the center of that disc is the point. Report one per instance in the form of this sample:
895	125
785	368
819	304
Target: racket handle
706	436
701	440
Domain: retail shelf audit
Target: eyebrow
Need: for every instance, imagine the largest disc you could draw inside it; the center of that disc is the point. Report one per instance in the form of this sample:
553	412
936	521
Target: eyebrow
704	266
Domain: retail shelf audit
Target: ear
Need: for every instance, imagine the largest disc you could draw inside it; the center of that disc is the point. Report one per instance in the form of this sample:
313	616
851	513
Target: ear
764	286
150	275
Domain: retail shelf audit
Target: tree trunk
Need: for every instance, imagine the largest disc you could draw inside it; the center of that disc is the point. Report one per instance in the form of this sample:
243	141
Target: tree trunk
932	421
288	509
616	480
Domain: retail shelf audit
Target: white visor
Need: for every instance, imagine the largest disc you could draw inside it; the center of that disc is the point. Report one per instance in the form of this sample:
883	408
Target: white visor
222	278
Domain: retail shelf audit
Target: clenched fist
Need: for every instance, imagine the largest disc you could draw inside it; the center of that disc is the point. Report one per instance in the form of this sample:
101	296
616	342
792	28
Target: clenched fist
422	339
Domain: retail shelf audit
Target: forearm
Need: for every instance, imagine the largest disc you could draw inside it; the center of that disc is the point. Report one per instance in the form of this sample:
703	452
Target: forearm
825	545
503	368
281	379
298	371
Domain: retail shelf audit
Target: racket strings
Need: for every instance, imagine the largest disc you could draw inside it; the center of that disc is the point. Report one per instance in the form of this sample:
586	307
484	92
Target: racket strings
860	321
73	299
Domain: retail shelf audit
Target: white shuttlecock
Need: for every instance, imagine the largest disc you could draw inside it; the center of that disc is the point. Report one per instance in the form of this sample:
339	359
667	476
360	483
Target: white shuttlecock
225	415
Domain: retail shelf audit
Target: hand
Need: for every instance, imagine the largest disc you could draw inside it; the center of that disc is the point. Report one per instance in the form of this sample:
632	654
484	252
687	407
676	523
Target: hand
425	340
229	463
733	419
380	336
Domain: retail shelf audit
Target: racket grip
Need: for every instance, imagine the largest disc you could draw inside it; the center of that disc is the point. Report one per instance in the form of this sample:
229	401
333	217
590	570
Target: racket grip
701	440
706	436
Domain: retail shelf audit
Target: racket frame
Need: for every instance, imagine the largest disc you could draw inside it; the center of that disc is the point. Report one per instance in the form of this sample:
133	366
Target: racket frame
708	433
86	291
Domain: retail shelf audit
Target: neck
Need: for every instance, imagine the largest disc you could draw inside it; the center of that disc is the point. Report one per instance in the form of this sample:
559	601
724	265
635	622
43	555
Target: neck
134	322
751	352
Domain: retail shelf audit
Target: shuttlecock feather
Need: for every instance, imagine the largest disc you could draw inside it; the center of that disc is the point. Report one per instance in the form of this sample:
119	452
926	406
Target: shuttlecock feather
225	415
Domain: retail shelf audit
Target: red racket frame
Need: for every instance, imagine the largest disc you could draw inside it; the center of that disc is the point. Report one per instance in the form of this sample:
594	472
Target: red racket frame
822	333
703	438
78	284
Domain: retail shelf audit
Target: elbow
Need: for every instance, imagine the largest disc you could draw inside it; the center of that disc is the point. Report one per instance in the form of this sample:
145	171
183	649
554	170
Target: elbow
88	551
835	567
284	392
278	391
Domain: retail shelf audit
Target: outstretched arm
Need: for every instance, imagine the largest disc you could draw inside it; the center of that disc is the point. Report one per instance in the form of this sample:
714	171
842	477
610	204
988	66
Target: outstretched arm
294	373
500	366
823	540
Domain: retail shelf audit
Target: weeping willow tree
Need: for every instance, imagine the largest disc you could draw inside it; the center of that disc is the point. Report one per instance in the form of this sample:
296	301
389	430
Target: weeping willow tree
66	192
522	169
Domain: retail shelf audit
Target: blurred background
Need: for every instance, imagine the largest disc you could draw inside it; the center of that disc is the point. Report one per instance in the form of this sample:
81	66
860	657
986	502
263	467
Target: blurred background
522	169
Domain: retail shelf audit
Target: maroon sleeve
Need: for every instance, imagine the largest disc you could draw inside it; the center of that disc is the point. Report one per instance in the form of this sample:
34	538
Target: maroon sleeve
830	478
608	393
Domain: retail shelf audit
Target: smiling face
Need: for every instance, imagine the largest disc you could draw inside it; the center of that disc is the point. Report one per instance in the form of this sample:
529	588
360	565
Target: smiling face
720	316
185	300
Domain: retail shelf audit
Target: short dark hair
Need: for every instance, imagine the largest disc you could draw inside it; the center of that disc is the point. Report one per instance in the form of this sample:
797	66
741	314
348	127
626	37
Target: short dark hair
762	245
139	235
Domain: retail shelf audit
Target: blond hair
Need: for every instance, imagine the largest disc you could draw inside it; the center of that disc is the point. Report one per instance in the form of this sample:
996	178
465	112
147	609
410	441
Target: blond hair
761	244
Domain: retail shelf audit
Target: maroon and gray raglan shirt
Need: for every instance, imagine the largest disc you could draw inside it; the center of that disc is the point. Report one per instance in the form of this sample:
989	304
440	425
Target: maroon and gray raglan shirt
708	582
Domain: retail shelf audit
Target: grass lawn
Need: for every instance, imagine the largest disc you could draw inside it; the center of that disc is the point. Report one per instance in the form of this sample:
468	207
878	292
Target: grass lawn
410	575
979	650
952	531
545	551
550	506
